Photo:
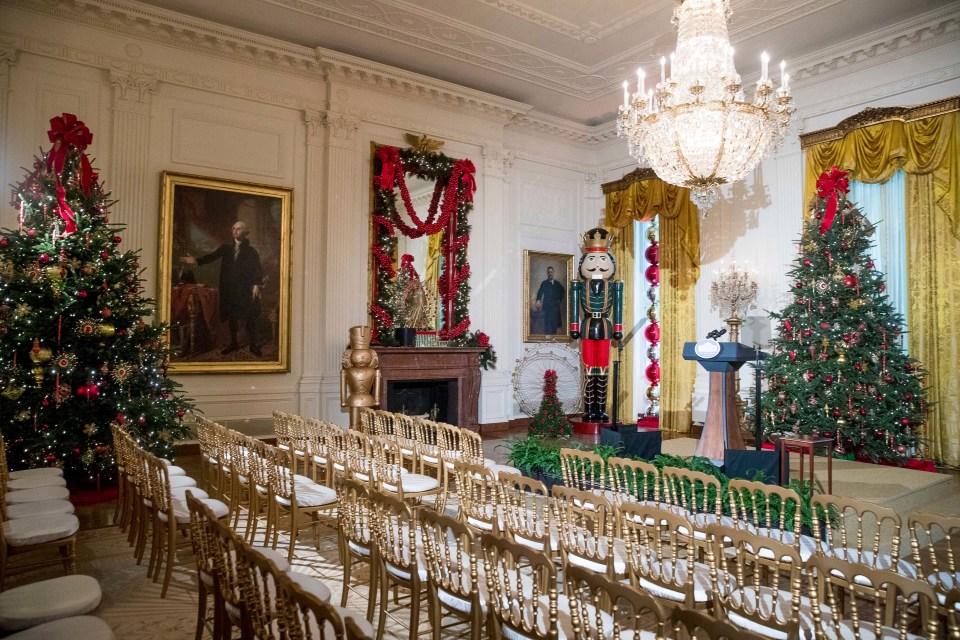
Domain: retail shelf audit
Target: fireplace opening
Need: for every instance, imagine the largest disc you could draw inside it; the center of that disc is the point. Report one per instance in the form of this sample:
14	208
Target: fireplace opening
432	399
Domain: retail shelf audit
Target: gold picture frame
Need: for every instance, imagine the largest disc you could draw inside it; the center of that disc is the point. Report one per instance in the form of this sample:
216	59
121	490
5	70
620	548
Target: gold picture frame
234	319
540	324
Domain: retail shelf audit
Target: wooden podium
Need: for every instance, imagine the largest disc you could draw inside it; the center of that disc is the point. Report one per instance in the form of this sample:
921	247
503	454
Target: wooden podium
722	428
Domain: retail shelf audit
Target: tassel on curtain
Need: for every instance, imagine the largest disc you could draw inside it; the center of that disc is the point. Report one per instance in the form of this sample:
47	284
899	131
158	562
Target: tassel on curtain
640	195
924	142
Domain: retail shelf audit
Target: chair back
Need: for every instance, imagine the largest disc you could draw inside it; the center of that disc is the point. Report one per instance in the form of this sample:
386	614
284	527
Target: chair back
337	450
281	483
227	567
856	530
367	422
633	480
158	484
695	492
383	424
428	441
518	577
935	547
201	534
471	446
258	586
281	426
478	498
258	464
602	608
450	448
526	512
520	482
585	531
894	603
303	616
388	465
690	623
395	533
453	565
354	514
756	580
405	434
660	547
582	470
359	456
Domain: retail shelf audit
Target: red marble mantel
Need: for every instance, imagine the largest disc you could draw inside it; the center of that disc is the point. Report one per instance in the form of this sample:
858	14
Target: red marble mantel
437	363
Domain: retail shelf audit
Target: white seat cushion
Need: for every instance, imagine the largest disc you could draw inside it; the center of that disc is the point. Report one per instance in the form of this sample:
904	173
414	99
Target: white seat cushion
39	529
565	622
39	471
807	544
702	589
180	493
413	483
174	470
182	513
498	468
40	493
312	495
35	482
47	600
39	508
600	549
86	627
312	585
456	601
177	482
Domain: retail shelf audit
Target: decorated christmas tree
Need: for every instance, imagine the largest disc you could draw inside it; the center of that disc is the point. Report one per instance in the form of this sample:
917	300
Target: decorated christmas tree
838	368
550	420
75	349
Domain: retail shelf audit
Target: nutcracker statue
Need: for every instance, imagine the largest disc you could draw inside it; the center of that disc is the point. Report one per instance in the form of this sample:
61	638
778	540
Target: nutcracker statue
596	317
360	378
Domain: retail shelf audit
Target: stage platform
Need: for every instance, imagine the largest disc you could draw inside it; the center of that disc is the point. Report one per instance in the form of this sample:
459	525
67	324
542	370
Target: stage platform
903	490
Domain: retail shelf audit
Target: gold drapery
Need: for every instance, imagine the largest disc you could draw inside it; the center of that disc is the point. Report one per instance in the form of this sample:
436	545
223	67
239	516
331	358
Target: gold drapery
923	142
622	249
642	196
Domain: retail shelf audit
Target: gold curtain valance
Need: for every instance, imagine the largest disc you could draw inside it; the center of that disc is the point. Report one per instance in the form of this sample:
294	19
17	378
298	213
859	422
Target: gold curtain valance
923	142
642	196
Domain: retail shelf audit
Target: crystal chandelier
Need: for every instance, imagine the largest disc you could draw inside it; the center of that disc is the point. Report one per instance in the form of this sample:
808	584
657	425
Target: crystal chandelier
694	128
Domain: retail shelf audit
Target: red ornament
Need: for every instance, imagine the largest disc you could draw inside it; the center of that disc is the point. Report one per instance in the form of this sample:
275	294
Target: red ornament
908	367
142	420
844	245
652	254
807	333
653	372
783	380
787	324
882	288
799	285
117	239
88	391
81	294
828	379
807	263
836	413
3	242
879	397
850	280
793	354
905	422
863	411
652	274
104	255
652	332
824	325
180	413
908	396
31	233
888	378
44	258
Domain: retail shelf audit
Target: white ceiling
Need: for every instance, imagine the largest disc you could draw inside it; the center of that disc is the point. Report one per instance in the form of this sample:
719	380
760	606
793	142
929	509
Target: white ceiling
565	58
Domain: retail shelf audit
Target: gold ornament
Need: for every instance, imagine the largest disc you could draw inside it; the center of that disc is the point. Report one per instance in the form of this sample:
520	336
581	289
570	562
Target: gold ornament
38	375
652	233
841	357
12	393
423	144
88	328
90	429
40	354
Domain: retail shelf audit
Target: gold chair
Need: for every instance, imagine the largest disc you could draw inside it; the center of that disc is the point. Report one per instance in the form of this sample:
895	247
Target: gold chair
770	511
258	489
455	579
355	536
33	536
695	495
633	481
601	608
478	498
583	470
281	426
400	556
230	606
850	599
428	445
405	435
858	531
304	616
359	457
300	445
662	554
390	475
367	424
204	548
526	513
383	424
935	548
318	445
522	587
757	583
298	499
690	623
471	448
585	526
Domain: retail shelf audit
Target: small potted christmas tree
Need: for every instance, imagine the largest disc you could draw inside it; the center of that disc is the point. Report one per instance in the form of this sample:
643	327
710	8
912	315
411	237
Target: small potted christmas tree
549	420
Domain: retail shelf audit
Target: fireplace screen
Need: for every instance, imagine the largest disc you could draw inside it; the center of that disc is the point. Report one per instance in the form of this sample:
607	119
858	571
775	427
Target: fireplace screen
432	399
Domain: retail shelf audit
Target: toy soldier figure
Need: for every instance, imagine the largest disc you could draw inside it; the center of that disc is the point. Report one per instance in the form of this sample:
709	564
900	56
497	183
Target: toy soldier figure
360	377
596	317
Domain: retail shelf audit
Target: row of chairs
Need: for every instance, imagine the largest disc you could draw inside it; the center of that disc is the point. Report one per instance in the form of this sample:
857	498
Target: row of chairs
152	503
842	527
261	481
257	592
35	517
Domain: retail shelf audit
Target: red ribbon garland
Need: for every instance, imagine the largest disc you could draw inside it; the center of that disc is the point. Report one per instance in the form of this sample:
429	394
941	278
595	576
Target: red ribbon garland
67	131
389	162
828	186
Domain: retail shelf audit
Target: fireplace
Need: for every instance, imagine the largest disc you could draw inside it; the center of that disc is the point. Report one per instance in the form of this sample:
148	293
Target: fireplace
433	399
421	377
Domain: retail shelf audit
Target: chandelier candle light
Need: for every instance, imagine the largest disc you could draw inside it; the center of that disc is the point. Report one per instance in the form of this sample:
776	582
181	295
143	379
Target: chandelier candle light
695	128
733	292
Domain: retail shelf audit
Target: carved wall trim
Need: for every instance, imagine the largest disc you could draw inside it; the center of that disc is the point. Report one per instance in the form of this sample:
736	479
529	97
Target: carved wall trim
132	92
871	116
637	175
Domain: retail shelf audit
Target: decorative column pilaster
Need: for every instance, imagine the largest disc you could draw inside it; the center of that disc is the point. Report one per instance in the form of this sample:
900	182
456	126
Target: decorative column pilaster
132	96
314	284
8	57
343	261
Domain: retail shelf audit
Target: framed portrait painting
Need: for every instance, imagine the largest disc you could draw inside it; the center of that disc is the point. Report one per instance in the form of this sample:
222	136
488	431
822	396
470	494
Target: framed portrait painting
225	274
546	284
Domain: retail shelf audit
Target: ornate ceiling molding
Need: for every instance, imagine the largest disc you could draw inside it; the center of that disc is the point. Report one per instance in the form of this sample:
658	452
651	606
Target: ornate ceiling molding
589	34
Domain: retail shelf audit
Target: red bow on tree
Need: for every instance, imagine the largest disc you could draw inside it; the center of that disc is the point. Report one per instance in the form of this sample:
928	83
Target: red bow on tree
389	161
67	131
466	166
828	186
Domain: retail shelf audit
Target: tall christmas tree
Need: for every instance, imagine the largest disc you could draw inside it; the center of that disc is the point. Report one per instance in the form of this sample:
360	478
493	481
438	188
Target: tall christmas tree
75	350
838	368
